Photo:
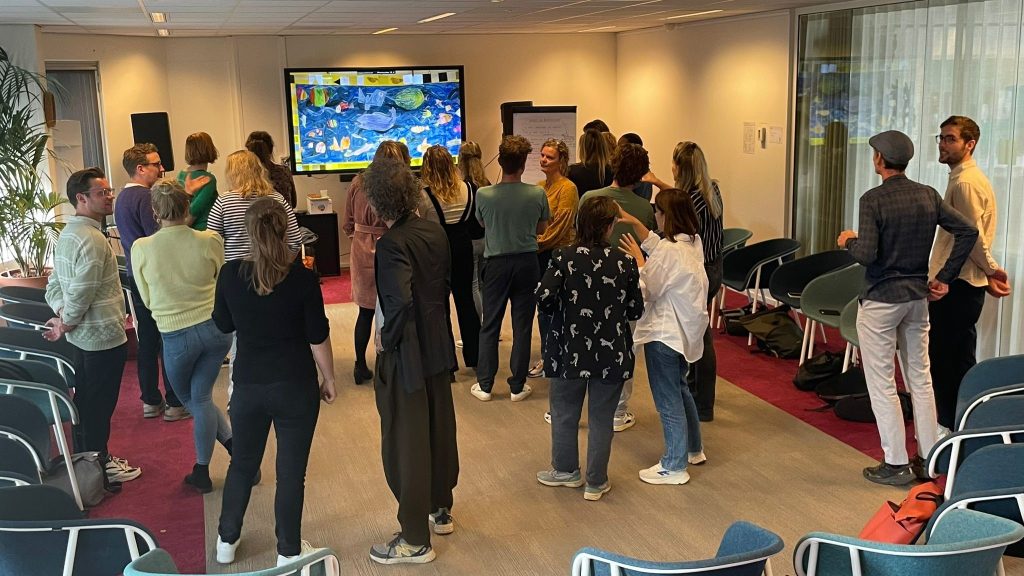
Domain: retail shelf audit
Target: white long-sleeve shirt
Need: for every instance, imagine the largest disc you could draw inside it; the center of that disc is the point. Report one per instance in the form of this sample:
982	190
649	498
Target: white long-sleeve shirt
675	289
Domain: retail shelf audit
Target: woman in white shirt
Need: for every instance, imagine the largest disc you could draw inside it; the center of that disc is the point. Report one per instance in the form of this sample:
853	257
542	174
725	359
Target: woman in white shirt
674	285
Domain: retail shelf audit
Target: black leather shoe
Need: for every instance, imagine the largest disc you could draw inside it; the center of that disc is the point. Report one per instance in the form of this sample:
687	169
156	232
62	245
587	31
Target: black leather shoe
362	374
200	479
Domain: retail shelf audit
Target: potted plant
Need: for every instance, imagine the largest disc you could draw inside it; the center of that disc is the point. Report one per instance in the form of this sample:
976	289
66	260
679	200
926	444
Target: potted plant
28	225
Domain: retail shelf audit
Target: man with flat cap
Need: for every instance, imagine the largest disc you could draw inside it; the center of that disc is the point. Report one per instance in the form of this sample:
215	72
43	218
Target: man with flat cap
897	226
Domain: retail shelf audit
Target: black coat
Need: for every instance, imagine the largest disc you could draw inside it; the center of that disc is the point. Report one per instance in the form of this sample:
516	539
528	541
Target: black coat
413	272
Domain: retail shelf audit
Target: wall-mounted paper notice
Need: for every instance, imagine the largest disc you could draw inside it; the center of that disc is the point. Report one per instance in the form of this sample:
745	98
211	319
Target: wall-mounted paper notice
748	137
775	135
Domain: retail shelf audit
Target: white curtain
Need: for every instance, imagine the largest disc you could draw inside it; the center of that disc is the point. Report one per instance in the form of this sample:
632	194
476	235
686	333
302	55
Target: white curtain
908	67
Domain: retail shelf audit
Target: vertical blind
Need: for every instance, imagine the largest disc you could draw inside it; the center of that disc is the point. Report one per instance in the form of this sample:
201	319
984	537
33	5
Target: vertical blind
908	67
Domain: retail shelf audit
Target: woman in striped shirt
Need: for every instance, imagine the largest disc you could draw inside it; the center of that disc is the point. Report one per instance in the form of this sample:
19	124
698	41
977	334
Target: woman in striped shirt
248	180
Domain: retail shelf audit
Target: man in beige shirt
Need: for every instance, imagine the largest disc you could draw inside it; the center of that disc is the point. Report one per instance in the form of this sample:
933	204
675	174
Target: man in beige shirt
953	336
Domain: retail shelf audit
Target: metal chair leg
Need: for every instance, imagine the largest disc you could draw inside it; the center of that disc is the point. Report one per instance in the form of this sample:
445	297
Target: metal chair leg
757	287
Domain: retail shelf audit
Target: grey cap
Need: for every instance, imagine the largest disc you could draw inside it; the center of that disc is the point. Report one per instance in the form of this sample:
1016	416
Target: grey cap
894	146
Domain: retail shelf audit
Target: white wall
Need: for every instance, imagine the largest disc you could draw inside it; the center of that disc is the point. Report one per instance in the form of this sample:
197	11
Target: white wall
701	82
229	87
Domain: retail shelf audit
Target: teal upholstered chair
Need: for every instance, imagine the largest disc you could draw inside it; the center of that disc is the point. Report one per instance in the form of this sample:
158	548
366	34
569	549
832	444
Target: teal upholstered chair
823	300
986	380
966	542
744	551
321	563
732	238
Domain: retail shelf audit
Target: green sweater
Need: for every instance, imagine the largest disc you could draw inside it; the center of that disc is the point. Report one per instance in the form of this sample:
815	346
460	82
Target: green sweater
176	272
203	199
85	287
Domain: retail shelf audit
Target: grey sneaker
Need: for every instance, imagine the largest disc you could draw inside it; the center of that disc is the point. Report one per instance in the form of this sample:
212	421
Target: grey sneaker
398	551
119	470
152	410
442	521
889	475
593	493
556	478
175	413
696	458
537	370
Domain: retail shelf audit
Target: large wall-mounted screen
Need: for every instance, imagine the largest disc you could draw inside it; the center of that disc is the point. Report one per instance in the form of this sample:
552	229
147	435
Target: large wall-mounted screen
338	116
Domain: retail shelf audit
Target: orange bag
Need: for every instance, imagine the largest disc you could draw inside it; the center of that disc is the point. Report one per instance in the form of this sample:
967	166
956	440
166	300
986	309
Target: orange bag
903	523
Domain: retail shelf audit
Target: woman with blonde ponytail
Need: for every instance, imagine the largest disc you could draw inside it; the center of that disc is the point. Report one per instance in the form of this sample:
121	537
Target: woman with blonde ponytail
274	306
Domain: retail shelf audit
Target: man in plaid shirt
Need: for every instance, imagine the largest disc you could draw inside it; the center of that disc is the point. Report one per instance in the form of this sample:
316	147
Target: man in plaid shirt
897	226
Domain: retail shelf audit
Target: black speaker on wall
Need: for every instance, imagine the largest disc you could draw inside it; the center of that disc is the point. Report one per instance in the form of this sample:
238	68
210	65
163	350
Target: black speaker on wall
155	128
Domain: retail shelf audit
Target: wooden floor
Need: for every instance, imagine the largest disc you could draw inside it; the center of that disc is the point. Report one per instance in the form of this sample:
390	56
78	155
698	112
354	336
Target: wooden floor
763	466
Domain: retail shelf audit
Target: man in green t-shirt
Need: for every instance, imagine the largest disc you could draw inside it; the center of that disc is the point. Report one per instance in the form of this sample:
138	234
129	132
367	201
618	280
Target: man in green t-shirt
629	164
513	214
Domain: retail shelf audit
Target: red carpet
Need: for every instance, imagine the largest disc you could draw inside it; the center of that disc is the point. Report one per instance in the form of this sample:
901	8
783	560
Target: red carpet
771	379
157	499
337	289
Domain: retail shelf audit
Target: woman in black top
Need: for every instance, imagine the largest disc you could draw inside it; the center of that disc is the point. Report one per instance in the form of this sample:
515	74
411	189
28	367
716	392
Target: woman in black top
262	145
594	169
592	291
277	311
451	201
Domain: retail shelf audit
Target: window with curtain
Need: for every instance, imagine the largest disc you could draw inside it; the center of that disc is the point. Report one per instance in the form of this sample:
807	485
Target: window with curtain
78	99
908	67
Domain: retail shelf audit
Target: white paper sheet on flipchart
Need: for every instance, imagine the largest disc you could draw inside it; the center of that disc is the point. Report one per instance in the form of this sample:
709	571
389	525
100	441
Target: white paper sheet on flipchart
538	127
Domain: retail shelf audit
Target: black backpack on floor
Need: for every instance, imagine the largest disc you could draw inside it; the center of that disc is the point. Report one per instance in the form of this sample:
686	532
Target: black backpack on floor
818	369
857	408
775	331
842	385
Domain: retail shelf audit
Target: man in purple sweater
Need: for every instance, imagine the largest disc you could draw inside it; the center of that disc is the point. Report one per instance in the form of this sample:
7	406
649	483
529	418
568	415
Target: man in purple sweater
133	215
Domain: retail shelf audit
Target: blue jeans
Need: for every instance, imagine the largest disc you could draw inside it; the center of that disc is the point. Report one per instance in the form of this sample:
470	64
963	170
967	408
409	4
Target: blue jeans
193	357
666	371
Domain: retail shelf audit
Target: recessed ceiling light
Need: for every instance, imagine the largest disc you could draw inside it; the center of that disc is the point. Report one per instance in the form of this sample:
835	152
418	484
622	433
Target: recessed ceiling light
438	17
163	32
596	29
692	14
385	30
158	17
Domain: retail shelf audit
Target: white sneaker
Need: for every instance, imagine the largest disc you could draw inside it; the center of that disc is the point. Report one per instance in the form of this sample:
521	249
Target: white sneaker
225	551
696	458
658	475
624	422
547	416
537	370
119	470
519	397
943	432
305	549
480	394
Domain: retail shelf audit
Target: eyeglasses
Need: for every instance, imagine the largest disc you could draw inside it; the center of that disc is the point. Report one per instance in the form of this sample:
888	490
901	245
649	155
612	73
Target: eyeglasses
101	192
948	139
157	163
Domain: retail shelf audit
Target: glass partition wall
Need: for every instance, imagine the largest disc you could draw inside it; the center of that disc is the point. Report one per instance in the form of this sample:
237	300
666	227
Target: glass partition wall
908	67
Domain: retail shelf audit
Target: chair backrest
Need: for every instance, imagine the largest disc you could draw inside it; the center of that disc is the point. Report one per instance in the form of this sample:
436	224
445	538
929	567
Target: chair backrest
969	543
81	547
159	563
41	384
950	452
988	374
36	503
739	267
22	294
848	323
30	314
790	279
22	421
17	464
999	411
733	238
30	343
744	550
825	297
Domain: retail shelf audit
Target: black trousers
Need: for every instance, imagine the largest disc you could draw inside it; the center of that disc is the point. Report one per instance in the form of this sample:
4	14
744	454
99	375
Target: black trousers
702	377
97	388
148	359
462	292
508	278
952	342
418	445
292	407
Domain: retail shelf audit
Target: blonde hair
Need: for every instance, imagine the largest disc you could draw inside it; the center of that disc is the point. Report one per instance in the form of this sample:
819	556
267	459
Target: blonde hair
438	174
563	154
471	164
170	202
270	259
247	175
593	149
199	149
393	149
692	172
